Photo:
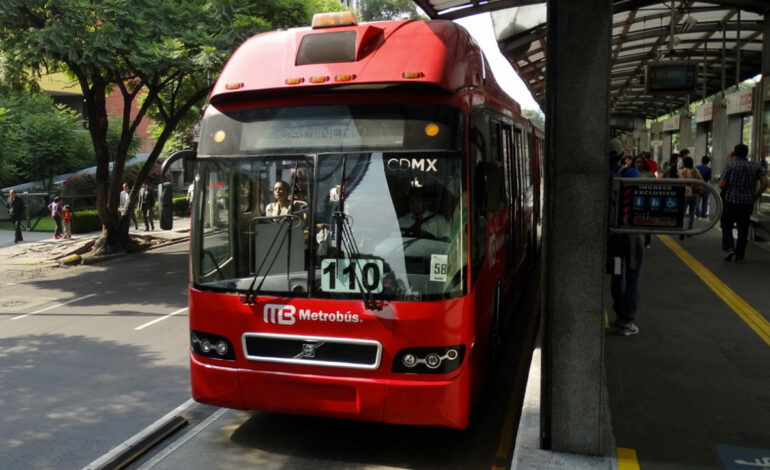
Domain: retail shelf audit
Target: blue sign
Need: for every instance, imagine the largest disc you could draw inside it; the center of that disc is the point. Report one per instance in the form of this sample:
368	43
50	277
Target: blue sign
638	201
655	202
743	458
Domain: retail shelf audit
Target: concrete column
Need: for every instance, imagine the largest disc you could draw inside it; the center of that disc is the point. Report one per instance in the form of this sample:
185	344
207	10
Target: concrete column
686	136
644	140
574	410
668	146
720	141
701	139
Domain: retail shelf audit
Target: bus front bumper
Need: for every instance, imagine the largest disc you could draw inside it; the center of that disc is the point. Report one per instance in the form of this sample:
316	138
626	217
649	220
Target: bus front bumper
411	402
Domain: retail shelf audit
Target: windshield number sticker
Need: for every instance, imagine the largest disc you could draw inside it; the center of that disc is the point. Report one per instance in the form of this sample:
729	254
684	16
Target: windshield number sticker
438	267
349	276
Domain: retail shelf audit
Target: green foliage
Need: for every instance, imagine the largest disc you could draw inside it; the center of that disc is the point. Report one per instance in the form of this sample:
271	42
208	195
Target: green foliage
40	139
181	206
85	221
535	116
81	188
167	51
380	10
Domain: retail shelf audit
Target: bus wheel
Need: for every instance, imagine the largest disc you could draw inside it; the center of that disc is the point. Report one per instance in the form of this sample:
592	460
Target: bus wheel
495	338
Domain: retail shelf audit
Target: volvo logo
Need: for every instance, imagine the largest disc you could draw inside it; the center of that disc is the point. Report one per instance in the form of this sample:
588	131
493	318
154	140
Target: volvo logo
308	350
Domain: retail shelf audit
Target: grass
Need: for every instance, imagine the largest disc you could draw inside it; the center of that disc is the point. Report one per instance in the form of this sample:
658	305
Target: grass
46	224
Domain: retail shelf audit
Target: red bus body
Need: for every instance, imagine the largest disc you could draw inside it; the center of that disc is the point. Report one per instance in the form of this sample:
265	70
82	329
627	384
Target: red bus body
427	63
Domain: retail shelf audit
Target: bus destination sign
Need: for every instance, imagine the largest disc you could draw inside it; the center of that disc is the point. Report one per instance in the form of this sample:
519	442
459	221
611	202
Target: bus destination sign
650	206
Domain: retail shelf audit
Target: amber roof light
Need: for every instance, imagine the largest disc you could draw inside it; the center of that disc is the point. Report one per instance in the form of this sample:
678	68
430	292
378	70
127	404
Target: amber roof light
337	18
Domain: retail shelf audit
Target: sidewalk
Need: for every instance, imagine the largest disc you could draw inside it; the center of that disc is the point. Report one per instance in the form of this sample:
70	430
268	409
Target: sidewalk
40	253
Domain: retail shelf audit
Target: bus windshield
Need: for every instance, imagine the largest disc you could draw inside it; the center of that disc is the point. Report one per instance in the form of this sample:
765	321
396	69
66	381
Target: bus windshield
388	224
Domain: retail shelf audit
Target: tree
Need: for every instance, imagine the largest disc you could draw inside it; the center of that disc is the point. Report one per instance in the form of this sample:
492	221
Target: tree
169	52
380	10
535	116
41	139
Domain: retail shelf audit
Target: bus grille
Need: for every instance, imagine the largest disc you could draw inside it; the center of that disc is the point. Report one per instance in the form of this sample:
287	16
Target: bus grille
312	350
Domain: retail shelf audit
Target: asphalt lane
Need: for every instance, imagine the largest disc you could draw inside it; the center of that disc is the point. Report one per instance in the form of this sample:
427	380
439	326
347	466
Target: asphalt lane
77	376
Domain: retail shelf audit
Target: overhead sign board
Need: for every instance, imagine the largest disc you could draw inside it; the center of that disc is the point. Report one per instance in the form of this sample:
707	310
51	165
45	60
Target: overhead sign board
671	77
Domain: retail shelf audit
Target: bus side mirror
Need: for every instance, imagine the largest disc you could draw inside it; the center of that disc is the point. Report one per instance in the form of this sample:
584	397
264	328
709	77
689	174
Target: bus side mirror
165	206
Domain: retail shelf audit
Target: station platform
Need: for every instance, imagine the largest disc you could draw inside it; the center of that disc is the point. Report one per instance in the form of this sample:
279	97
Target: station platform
691	390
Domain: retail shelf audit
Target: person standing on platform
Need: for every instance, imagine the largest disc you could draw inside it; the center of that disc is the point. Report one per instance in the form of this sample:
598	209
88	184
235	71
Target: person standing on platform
147	204
624	286
16	210
692	192
739	192
702	209
651	163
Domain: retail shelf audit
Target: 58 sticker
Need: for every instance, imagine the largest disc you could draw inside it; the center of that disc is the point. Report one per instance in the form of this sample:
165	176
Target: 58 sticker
438	268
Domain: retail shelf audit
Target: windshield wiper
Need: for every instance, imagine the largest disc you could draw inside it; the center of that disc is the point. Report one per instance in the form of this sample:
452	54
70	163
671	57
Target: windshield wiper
347	242
283	232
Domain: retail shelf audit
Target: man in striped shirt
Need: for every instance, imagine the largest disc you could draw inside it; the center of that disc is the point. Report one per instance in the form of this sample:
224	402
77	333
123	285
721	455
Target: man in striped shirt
739	191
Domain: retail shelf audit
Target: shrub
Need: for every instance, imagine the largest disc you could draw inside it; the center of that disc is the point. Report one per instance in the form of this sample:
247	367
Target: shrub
181	206
81	190
86	221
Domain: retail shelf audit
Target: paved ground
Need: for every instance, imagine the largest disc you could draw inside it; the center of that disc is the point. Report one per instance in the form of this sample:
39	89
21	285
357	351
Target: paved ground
40	254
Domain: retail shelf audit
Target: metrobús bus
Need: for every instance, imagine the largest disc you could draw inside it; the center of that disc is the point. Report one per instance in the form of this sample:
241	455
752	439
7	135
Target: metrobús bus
363	215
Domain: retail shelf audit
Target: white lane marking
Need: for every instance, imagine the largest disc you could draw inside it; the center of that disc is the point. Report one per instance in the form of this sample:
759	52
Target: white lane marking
141	327
132	441
182	440
53	306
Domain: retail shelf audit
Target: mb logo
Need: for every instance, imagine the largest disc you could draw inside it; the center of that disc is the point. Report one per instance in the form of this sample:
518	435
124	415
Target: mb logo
280	314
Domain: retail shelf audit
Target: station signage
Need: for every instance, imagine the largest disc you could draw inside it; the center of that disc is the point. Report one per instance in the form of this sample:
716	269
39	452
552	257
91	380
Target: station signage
740	102
671	124
704	113
642	205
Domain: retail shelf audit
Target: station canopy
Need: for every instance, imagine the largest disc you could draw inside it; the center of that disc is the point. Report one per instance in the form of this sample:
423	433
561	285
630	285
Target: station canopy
721	40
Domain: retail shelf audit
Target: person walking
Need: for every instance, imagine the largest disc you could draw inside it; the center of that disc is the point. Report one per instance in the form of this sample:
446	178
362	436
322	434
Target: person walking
125	198
739	192
692	192
17	211
146	204
56	214
702	209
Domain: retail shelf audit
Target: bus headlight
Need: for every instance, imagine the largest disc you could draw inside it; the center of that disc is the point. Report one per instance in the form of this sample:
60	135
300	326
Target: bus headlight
211	345
438	360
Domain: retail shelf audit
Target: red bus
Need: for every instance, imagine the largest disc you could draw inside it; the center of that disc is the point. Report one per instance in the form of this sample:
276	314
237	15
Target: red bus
363	216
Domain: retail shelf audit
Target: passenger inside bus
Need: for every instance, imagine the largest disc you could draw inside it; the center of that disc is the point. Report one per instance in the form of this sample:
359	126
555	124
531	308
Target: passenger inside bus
420	221
282	204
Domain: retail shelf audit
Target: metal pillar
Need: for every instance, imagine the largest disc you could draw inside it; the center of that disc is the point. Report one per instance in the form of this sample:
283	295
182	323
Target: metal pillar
574	409
686	135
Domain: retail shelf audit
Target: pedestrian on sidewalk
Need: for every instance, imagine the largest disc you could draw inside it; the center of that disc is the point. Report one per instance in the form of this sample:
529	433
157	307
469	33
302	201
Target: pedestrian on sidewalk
125	198
739	192
67	218
17	211
56	213
692	191
147	204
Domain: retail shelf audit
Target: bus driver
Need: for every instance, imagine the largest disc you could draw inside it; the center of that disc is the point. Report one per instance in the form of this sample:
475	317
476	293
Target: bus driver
282	205
420	220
